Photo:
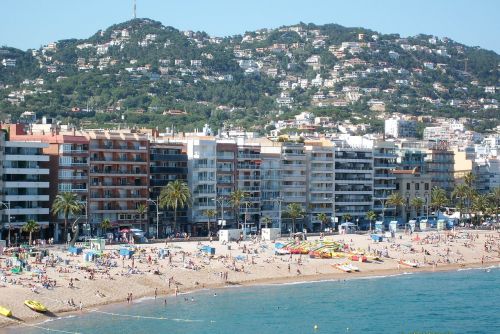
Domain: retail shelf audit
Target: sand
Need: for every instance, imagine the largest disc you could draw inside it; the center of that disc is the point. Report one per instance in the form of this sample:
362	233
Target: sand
188	270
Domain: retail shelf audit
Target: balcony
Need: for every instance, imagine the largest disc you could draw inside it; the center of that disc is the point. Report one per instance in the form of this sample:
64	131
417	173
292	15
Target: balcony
26	157
25	184
246	166
384	176
21	198
29	211
168	157
118	172
384	155
26	171
383	166
249	156
168	170
73	177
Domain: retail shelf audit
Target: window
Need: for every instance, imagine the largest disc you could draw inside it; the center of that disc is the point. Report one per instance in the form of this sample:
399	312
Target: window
65	161
426	186
408	186
417	186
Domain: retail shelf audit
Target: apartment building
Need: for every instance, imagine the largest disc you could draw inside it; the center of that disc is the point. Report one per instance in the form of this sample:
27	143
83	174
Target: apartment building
227	150
440	165
412	184
25	191
119	178
249	180
271	199
320	180
167	163
353	182
202	171
384	164
293	181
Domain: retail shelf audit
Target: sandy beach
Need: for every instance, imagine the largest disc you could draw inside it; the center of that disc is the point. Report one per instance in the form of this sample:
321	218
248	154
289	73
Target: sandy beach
63	279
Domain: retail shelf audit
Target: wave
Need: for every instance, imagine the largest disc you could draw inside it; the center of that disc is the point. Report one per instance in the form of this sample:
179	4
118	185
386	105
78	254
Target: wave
480	268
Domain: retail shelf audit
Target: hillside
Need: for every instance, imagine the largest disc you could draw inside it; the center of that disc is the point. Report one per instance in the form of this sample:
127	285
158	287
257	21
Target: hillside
141	72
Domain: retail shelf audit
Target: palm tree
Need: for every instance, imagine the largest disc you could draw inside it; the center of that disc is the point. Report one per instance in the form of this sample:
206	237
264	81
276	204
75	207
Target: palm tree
142	209
323	218
267	220
210	213
105	225
371	216
397	200
438	198
30	227
68	204
236	199
469	179
460	194
175	195
294	211
346	217
417	203
480	205
495	200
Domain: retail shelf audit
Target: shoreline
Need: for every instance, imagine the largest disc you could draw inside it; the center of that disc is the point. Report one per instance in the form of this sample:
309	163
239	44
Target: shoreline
110	279
298	279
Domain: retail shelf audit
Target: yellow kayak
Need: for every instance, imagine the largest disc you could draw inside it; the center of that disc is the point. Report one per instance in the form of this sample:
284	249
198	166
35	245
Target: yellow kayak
5	312
35	306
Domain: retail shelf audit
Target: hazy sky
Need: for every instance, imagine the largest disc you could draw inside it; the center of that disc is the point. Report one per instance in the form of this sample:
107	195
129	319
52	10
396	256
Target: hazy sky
31	23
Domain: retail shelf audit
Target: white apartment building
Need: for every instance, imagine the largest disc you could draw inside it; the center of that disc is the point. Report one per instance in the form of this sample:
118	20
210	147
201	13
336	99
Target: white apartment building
25	191
400	128
202	170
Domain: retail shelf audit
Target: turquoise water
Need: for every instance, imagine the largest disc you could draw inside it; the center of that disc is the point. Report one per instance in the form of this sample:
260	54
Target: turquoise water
454	302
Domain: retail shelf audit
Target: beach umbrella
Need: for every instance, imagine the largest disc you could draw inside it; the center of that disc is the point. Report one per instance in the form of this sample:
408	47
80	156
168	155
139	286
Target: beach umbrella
125	230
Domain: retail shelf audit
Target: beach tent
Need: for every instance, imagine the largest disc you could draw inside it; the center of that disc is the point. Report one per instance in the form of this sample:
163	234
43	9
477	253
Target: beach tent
412	223
424	223
393	226
347	228
441	224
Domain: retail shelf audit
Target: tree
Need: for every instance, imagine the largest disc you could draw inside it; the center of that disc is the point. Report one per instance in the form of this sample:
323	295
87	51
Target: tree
460	194
469	179
105	225
210	213
267	220
30	227
346	217
397	200
371	216
236	199
175	195
142	209
294	211
438	198
495	200
323	218
68	204
479	205
417	203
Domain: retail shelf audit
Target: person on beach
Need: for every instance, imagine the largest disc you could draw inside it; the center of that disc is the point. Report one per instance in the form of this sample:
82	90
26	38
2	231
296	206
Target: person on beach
81	305
156	292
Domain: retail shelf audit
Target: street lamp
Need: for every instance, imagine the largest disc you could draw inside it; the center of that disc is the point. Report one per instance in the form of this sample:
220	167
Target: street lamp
220	200
7	205
157	214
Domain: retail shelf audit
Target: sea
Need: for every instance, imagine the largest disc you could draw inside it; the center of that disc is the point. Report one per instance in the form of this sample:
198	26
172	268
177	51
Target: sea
463	301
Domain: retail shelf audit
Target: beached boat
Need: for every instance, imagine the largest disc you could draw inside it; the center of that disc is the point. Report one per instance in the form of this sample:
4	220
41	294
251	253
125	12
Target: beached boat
351	267
360	258
281	251
35	306
343	267
5	312
412	264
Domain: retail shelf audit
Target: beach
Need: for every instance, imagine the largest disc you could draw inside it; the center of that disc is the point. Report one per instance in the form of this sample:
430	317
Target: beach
63	277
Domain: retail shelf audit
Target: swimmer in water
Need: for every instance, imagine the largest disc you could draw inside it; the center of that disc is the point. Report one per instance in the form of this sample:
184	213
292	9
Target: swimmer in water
215	294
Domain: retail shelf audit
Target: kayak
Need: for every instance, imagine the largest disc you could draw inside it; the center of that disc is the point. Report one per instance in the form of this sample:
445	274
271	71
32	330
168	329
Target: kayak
5	312
35	306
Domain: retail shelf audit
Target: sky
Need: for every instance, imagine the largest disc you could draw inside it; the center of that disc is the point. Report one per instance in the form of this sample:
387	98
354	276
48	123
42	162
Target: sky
28	24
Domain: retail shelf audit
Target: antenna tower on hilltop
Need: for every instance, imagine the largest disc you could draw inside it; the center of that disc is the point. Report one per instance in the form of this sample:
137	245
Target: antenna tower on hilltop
135	10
